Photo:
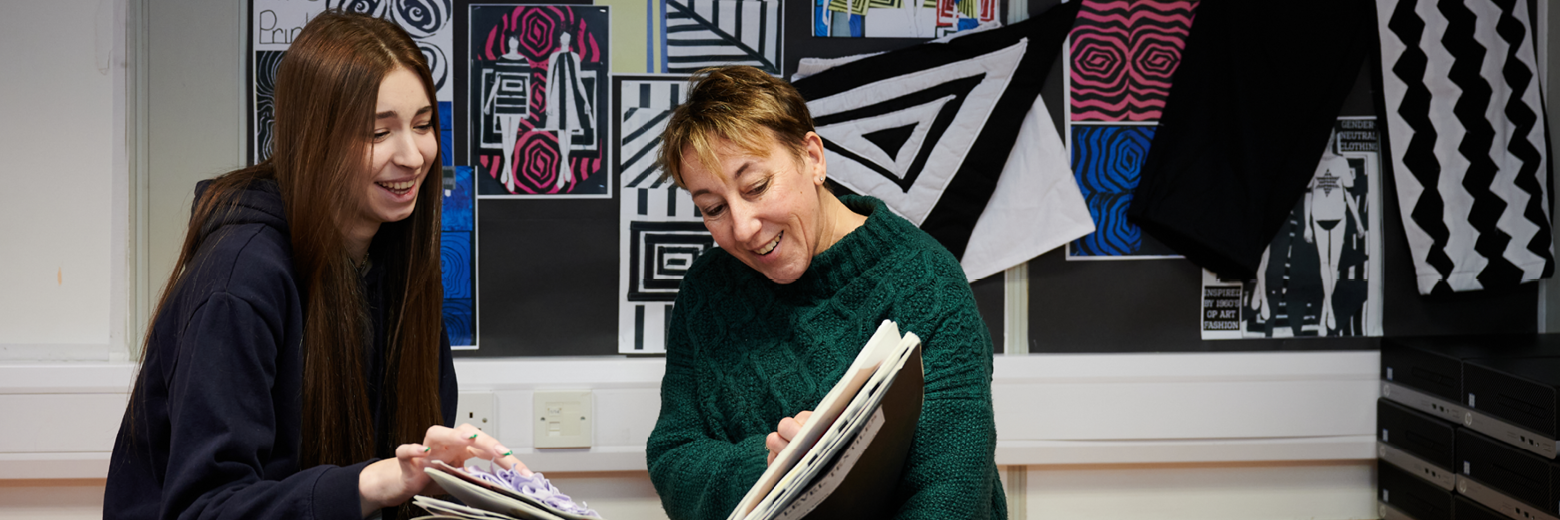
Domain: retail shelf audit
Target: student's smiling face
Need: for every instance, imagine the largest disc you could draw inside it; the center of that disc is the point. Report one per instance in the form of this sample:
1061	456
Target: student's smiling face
404	148
764	209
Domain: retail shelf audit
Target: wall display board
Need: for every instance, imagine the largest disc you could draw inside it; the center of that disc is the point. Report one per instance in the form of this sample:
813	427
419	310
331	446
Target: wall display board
1127	306
1120	58
1317	277
582	256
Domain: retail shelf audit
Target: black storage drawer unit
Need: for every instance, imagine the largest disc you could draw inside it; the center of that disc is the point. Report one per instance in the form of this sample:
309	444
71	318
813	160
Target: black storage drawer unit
1519	390
1434	364
1516	473
1412	495
1465	509
1419	434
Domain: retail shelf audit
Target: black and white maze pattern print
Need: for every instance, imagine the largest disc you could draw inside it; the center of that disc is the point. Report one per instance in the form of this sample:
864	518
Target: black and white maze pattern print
658	255
662	231
706	33
1468	142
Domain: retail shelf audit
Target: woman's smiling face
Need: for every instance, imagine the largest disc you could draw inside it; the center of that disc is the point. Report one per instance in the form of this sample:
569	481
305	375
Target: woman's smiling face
763	209
404	148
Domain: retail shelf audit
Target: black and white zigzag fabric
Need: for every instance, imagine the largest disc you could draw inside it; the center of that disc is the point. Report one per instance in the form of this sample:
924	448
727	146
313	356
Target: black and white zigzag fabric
1467	141
929	130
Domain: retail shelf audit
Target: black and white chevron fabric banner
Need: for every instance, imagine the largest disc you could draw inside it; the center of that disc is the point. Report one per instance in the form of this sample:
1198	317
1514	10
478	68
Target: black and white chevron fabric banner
1467	141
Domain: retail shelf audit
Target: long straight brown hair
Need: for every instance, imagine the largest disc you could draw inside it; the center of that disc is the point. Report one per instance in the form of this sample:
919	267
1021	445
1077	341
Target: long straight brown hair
327	87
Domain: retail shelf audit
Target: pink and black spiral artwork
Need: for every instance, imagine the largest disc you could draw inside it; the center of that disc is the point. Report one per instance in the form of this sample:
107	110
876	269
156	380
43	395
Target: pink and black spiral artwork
1123	54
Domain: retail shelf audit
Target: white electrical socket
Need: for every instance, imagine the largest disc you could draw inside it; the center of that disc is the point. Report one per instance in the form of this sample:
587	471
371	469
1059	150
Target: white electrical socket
563	419
480	409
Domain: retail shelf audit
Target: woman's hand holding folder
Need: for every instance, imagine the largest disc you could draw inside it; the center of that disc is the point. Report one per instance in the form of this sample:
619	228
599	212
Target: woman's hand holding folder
784	432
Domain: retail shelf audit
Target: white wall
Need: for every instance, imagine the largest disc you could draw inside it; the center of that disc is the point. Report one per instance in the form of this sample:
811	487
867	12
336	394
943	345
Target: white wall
62	99
194	118
1222	491
1216	426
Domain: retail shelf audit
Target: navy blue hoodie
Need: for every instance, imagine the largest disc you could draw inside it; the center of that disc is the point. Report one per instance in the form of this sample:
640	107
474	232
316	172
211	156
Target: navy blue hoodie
217	426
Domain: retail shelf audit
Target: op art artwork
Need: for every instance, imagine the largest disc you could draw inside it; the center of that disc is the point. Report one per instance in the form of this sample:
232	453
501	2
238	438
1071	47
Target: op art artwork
538	81
1121	56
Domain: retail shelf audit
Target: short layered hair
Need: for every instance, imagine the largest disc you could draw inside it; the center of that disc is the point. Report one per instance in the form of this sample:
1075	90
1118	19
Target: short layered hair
741	104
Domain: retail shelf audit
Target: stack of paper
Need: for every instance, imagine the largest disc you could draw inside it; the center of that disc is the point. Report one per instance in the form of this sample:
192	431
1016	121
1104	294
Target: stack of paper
486	501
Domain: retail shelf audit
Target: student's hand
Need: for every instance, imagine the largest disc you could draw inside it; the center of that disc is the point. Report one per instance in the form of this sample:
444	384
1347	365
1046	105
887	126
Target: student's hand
784	432
455	445
390	482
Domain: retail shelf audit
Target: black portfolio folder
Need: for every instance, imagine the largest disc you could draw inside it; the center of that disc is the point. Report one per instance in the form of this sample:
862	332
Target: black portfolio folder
1412	495
1511	471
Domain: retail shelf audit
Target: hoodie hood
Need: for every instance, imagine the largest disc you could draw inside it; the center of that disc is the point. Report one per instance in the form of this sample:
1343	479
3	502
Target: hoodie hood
259	203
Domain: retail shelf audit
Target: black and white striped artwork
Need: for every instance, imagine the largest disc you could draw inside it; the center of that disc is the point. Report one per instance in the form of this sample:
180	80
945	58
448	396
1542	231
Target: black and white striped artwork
708	33
640	124
661	230
1467	141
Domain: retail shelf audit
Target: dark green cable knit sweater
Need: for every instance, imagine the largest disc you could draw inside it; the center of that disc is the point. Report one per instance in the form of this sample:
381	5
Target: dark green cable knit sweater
744	352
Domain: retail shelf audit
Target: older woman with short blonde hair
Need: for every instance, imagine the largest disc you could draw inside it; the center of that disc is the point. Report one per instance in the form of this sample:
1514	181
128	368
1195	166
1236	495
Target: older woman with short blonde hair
765	324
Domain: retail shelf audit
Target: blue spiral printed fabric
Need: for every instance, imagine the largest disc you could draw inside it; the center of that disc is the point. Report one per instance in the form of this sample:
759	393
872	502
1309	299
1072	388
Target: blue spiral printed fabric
1107	161
457	245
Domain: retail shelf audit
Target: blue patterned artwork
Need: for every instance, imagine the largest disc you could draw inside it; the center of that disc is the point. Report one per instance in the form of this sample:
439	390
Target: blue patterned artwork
457	259
1107	161
447	135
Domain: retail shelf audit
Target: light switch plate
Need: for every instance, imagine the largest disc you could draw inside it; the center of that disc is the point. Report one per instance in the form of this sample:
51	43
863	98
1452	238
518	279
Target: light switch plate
562	419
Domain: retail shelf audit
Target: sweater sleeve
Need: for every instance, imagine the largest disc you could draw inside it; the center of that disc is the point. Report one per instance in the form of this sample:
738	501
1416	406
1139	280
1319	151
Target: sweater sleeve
951	471
223	422
699	473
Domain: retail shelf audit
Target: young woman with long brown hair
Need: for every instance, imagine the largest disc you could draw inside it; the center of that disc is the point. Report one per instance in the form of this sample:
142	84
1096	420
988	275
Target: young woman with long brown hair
296	366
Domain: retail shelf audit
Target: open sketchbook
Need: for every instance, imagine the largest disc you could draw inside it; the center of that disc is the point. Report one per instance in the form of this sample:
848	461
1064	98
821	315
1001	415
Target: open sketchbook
490	497
846	460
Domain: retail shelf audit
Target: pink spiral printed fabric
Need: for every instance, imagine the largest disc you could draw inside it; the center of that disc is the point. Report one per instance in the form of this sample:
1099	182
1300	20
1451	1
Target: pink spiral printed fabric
1123	54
